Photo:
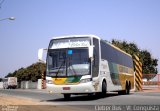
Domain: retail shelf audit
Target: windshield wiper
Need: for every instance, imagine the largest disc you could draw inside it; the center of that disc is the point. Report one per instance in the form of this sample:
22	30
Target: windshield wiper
60	68
54	70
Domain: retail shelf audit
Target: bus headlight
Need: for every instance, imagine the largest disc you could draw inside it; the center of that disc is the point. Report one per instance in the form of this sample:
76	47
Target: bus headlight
49	81
85	80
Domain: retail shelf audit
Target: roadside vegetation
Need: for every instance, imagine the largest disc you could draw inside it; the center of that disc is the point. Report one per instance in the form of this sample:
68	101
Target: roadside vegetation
32	72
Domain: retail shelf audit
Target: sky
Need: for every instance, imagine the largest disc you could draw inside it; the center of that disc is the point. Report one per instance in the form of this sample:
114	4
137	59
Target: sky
37	21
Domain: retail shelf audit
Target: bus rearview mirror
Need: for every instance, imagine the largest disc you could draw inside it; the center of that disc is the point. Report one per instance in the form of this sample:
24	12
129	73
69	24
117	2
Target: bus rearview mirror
40	55
91	51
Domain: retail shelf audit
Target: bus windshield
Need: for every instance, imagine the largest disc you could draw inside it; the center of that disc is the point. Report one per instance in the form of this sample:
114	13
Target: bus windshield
67	62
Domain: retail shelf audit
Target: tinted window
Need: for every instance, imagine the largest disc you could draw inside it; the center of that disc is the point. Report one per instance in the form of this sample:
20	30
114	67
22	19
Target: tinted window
96	58
113	55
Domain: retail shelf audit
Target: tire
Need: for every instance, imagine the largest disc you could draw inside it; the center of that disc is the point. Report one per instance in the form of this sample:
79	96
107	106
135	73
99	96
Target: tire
90	94
126	91
104	89
67	96
121	92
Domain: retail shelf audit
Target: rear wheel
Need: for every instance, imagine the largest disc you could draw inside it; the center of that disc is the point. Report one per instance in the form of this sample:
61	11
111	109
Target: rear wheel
67	96
126	91
121	92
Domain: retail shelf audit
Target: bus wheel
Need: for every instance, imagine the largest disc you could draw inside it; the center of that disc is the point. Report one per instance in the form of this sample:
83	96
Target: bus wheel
104	89
121	92
128	89
67	96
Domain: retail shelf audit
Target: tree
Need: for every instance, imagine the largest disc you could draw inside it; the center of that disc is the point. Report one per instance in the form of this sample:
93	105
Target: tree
130	48
32	72
9	75
149	64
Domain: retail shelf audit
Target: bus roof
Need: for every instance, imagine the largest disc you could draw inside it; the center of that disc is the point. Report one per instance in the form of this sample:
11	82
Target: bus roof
76	36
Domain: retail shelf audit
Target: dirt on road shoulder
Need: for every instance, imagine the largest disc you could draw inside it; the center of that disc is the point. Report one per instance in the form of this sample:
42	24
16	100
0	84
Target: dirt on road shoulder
11	100
12	103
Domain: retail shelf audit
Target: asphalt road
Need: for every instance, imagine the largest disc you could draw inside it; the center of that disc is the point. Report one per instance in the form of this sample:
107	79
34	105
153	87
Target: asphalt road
135	98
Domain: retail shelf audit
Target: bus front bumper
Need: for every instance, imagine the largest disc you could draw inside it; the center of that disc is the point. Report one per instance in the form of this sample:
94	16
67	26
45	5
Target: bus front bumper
71	89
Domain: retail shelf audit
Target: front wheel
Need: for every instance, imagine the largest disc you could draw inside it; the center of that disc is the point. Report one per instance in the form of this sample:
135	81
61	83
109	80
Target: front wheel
67	96
104	88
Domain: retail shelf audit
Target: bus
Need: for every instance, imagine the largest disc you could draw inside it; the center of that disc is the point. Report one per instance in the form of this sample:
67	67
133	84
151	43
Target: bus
86	64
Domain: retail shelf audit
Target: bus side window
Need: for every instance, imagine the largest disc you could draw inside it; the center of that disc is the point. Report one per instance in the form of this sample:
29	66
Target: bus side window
95	69
94	56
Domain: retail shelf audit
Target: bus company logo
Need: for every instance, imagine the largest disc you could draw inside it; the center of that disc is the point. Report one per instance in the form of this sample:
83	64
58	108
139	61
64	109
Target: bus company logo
70	43
79	44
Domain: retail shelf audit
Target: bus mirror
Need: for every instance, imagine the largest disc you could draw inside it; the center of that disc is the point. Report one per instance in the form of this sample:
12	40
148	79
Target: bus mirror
91	51
40	55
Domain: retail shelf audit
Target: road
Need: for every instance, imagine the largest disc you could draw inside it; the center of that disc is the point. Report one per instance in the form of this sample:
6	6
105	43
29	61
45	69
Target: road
89	103
136	98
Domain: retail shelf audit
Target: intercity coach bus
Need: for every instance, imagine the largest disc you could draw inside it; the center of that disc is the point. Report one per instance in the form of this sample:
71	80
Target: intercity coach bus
86	64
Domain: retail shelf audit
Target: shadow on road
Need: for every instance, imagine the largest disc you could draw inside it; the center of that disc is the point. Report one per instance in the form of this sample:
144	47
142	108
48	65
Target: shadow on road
83	98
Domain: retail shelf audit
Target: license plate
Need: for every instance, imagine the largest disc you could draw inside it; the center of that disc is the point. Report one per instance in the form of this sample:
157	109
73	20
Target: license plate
66	88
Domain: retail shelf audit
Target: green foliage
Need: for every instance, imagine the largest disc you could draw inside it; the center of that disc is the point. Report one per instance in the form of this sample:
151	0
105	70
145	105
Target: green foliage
149	64
130	48
32	72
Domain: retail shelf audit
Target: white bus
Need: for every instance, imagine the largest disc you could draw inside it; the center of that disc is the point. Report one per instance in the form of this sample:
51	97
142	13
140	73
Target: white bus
86	64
